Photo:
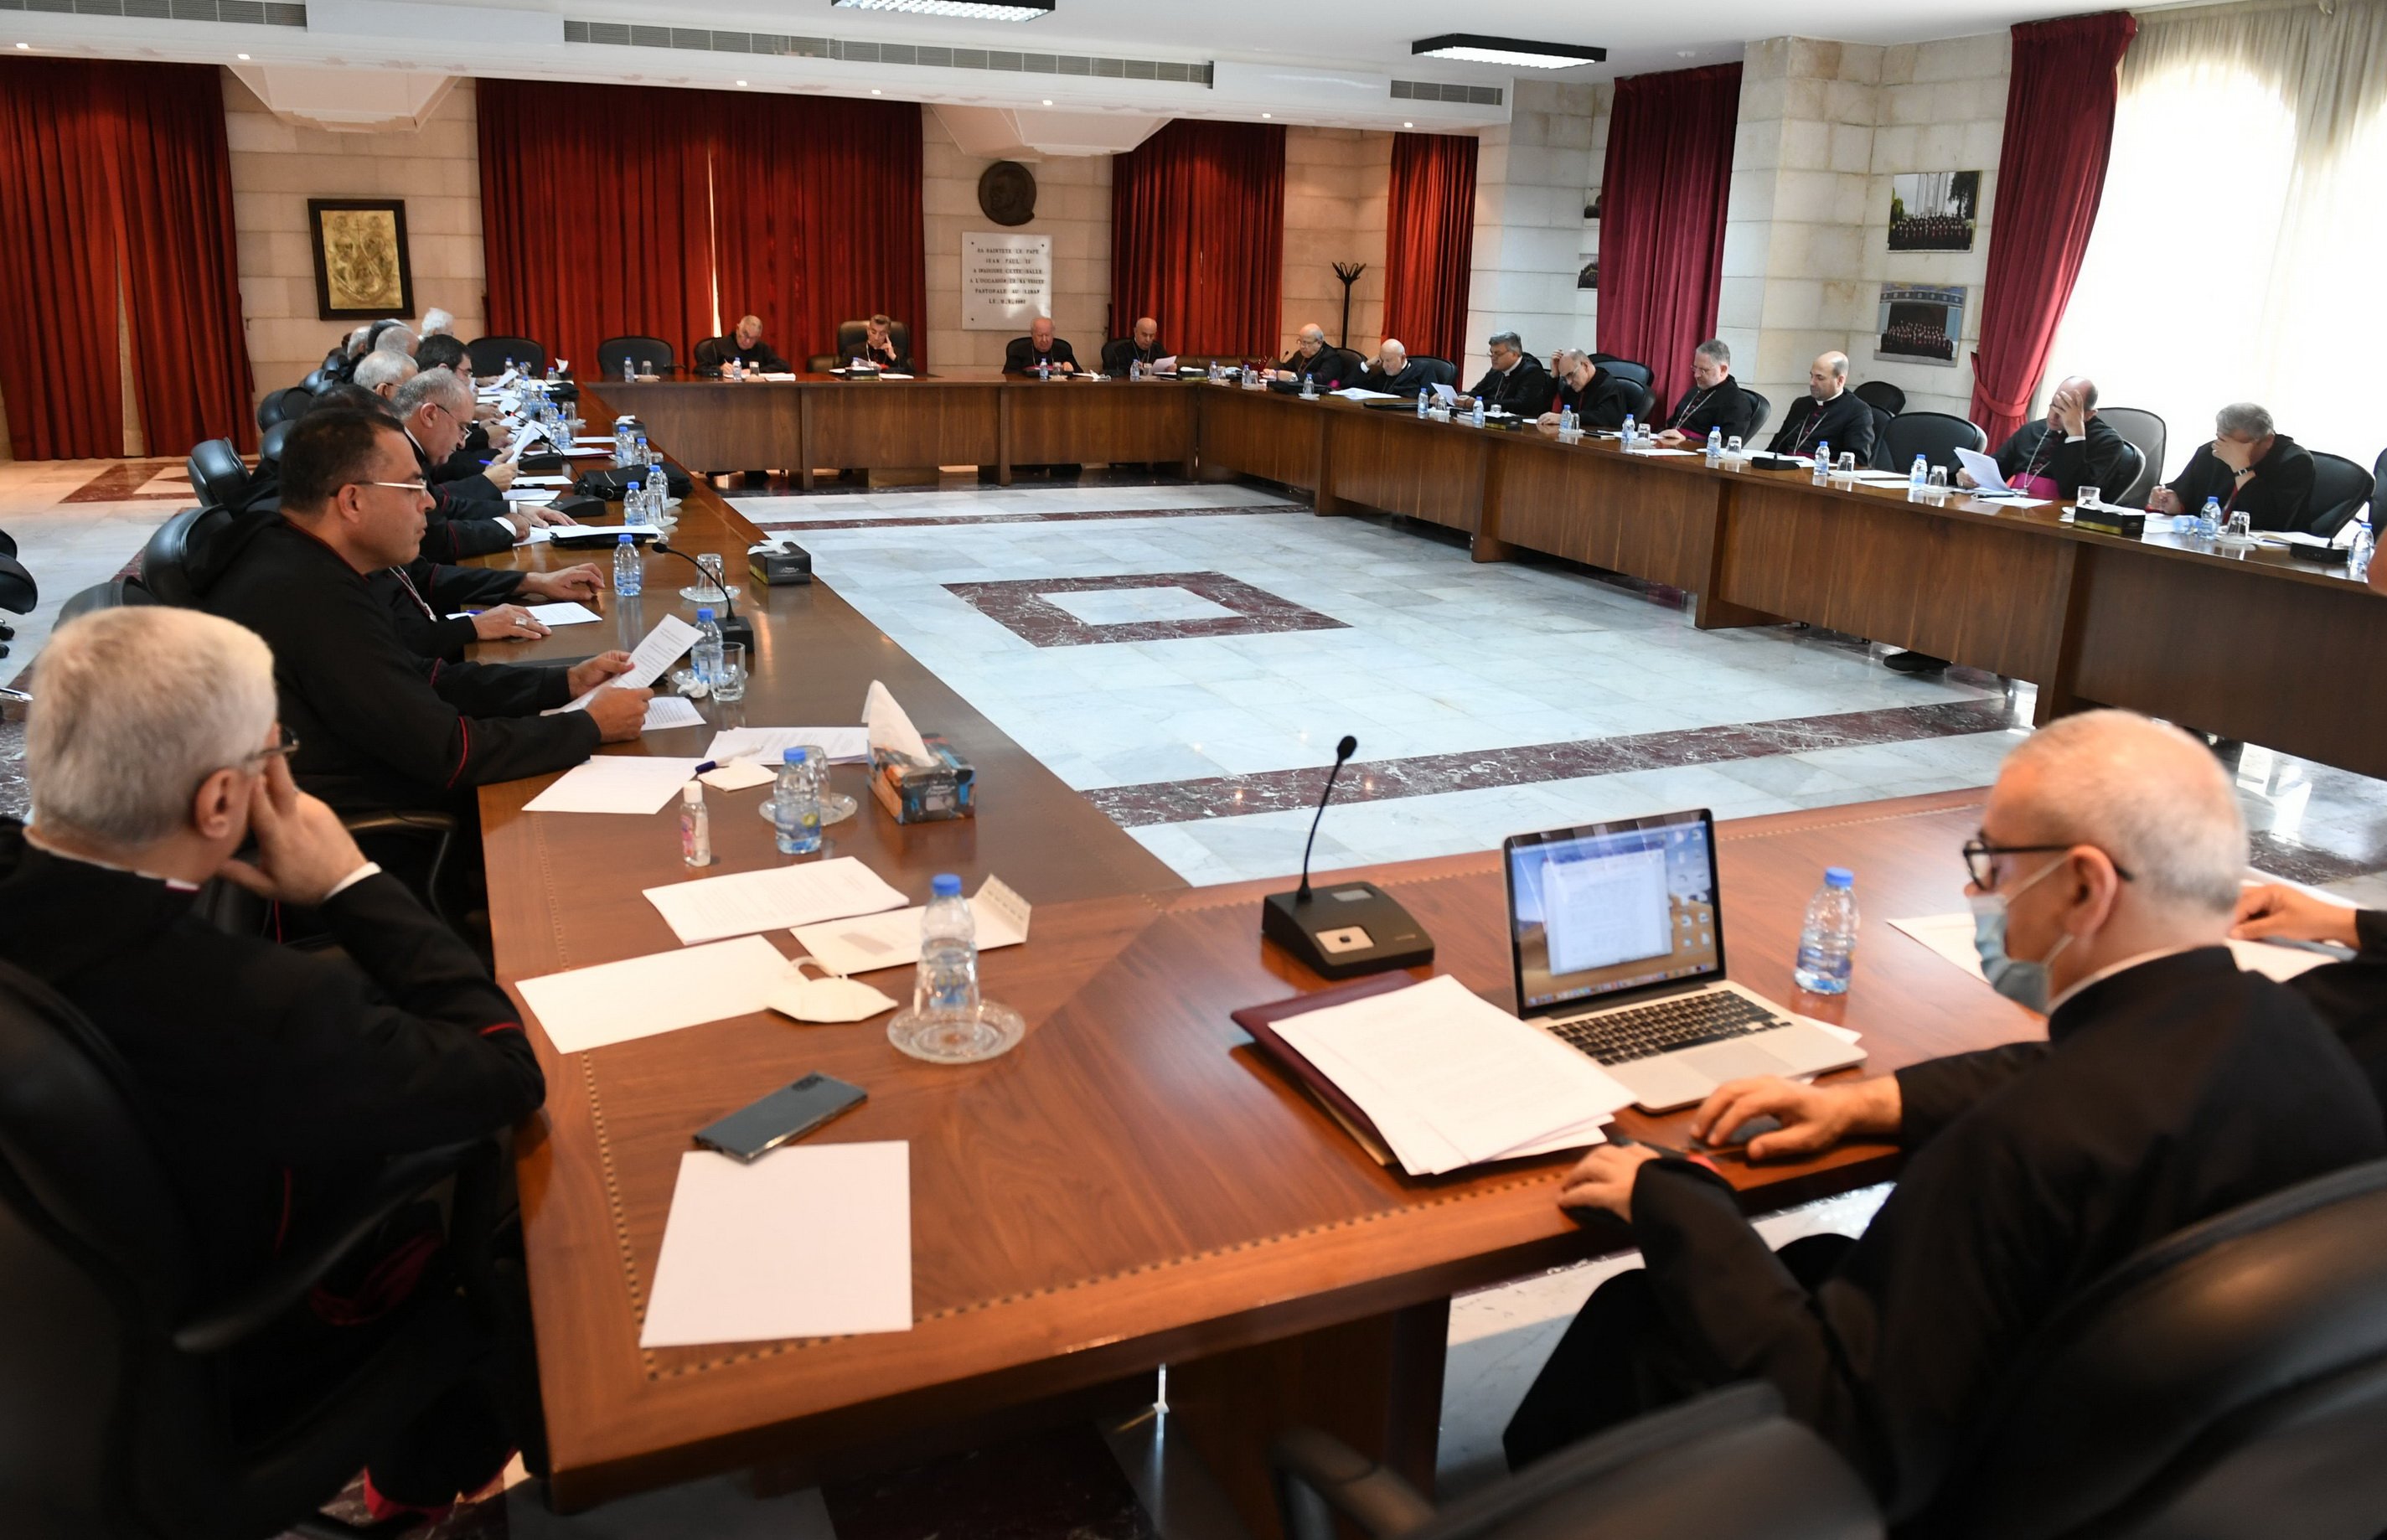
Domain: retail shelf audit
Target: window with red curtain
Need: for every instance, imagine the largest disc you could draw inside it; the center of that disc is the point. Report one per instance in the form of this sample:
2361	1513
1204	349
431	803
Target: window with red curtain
1430	242
1662	199
1197	237
2051	177
116	189
597	213
817	216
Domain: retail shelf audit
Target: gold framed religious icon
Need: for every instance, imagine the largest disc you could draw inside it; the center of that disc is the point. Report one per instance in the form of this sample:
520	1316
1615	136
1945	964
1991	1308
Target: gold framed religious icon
361	272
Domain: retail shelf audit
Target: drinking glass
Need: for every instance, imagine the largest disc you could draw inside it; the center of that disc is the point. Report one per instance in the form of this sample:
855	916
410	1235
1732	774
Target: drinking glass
1732	449
1847	469
1937	490
731	684
715	582
2241	525
646	366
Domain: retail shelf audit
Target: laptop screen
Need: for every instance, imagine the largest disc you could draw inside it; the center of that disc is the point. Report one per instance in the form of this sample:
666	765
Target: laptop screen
1609	909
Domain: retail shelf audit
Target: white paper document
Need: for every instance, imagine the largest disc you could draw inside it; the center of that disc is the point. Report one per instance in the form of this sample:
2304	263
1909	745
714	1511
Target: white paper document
1952	937
617	783
1444	393
542	481
1353	393
843	745
542	534
540	495
779	897
1164	366
1452	1080
890	941
809	1240
662	647
890	729
1986	475
739	775
640	997
566	612
666	711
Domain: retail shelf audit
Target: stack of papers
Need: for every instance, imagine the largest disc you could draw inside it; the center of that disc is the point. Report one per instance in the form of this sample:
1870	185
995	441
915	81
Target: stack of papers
1952	937
617	783
890	941
843	745
777	897
1451	1081
666	711
641	997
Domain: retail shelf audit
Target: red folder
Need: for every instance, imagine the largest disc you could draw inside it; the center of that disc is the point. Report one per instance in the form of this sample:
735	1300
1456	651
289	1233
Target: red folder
1259	1021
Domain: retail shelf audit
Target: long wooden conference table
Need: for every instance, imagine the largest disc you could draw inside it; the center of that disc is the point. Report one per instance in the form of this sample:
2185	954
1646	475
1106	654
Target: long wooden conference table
2252	647
1130	1187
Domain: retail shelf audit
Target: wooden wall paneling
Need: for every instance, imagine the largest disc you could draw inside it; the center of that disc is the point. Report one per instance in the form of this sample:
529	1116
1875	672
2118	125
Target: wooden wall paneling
1256	434
711	425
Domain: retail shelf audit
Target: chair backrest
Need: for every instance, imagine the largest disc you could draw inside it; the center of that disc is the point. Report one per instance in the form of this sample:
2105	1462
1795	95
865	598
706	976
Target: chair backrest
2234	1369
95	1270
1881	449
1936	435
1115	352
2132	479
1438	371
852	334
2340	489
218	475
489	355
269	408
19	594
639	350
314	377
268	448
1760	409
177	564
1727	1466
1642	404
1881	393
2142	428
1626	369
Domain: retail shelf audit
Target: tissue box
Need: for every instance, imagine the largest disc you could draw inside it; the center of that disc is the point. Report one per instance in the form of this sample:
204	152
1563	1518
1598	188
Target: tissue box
2130	523
923	793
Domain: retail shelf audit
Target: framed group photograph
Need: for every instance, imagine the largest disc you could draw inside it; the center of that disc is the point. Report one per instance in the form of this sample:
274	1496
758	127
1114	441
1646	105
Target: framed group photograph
1920	323
361	272
1934	210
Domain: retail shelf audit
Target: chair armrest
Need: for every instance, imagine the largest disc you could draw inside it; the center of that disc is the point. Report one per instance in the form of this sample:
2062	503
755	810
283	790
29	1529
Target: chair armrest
1316	1472
428	824
311	1257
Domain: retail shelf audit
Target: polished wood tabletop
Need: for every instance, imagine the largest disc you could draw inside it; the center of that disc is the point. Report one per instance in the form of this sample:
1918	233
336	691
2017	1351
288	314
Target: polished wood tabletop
1130	1187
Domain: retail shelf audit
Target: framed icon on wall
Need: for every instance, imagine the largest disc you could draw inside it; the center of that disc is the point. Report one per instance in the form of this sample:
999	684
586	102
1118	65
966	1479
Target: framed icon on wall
361	272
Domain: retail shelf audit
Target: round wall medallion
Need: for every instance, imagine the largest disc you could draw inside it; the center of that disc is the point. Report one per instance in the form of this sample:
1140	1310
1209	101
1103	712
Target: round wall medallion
1006	191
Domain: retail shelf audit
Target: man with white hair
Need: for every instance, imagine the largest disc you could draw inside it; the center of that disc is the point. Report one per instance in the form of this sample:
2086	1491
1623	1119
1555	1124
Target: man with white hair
1326	368
435	407
743	346
396	338
382	372
2170	1087
438	322
277	1080
2249	467
1395	373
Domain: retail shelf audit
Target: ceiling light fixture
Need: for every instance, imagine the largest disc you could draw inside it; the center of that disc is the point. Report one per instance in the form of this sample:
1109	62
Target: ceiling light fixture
1476	49
240	56
741	82
25	46
1409	125
969	10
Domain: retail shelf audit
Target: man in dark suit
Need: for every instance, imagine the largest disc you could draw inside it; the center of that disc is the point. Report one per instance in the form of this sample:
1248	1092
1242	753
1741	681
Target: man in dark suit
435	407
2071	447
378	724
1325	367
1714	402
2349	997
1599	398
1831	414
1394	373
2249	468
446	352
1515	384
2171	1087
1142	345
277	1082
745	348
1040	348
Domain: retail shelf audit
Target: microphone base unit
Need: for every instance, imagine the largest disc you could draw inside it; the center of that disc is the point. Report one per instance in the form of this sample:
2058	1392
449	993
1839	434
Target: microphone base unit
738	629
1344	929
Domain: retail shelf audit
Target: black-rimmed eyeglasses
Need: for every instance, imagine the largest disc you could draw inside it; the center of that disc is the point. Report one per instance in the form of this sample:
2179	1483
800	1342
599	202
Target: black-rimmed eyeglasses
1980	859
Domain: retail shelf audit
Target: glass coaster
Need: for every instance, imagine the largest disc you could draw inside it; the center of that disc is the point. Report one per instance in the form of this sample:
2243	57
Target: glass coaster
836	808
708	594
990	1032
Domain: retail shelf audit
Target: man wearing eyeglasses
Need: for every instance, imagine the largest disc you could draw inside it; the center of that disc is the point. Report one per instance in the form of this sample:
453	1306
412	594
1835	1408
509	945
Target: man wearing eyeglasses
435	407
274	1082
2169	1087
382	727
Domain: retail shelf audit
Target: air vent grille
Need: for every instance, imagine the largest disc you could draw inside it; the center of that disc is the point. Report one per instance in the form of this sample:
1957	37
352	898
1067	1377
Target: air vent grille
245	13
624	35
1440	91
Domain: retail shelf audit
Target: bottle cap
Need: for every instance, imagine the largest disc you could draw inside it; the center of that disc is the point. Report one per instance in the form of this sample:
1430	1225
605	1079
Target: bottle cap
1839	877
692	794
792	756
703	615
625	539
945	885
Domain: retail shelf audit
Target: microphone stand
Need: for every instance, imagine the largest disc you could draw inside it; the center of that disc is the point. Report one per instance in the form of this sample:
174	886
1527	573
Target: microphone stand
735	627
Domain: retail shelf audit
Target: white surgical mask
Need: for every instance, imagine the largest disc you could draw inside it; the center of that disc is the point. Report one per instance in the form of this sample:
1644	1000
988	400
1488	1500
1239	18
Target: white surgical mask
2025	983
829	998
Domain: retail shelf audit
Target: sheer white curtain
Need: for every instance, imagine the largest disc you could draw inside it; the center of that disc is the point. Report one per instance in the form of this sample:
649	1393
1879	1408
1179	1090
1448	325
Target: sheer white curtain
2239	251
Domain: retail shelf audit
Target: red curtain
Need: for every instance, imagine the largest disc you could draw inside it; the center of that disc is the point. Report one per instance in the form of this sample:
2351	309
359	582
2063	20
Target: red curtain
1663	195
2051	177
1430	243
116	186
596	213
1197	237
817	214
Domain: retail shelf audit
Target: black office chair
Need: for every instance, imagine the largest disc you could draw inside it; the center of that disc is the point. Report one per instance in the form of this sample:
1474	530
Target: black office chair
852	335
1643	404
1881	421
2130	476
1114	354
173	566
2340	489
1626	369
218	475
614	351
1762	408
113	1361
1936	435
314	377
268	446
18	592
1438	371
2146	430
1883	395
284	406
1727	1466
489	355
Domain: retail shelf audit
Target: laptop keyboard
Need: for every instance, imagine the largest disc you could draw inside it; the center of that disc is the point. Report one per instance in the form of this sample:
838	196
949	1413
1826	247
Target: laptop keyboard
1686	1021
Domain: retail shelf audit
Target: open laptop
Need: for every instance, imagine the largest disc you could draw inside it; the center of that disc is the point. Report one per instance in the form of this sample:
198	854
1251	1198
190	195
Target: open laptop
1617	937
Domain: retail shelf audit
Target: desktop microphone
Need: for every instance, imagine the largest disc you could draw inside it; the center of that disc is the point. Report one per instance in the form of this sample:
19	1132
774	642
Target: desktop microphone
735	627
1349	928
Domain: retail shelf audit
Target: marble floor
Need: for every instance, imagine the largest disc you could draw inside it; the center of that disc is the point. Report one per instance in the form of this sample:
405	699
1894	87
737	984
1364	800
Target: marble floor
1188	656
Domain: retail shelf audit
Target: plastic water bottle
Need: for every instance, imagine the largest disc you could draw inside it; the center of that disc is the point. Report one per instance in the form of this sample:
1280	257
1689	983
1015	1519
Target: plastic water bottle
2208	523
1044	369
704	653
2357	560
629	371
1477	417
552	377
638	445
1918	480
1823	462
1715	446
629	572
1134	369
1424	404
1569	424
658	492
1308	388
1632	433
795	802
948	980
1828	939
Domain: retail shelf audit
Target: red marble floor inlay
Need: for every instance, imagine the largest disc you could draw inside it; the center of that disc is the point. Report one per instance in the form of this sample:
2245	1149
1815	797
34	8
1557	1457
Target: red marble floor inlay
1019	605
122	482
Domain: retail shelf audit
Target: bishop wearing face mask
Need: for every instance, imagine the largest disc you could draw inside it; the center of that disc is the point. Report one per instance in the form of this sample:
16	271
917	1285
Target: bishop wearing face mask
2170	1087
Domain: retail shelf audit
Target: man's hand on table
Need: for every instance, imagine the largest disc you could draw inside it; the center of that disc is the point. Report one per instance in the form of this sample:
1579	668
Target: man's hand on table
2272	909
578	582
1814	1117
508	623
545	518
1604	1179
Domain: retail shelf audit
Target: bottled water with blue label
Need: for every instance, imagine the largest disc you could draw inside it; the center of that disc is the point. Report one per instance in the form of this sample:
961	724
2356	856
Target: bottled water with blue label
1827	941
